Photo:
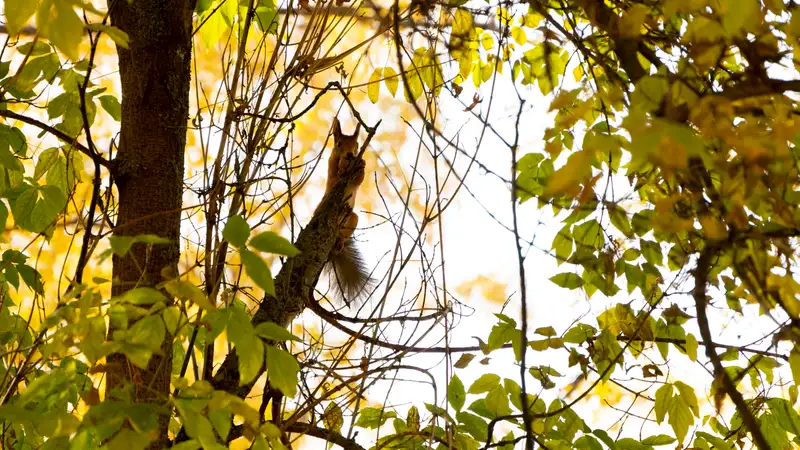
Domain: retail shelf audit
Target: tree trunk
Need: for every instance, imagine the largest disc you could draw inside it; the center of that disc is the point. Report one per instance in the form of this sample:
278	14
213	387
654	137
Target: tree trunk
155	74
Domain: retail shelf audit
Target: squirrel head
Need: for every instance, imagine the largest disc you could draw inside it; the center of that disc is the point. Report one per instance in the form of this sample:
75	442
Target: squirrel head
344	143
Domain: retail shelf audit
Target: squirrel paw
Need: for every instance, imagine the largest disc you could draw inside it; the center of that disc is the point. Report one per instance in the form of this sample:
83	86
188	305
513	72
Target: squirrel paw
349	160
338	246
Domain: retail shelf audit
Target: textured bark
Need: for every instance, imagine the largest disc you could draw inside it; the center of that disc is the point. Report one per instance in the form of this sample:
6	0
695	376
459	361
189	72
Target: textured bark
155	74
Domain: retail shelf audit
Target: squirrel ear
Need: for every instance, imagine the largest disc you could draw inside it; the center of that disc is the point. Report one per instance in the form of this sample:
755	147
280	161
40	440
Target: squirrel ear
337	128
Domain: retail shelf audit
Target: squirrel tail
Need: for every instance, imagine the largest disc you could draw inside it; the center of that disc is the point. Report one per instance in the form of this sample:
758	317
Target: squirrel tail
350	276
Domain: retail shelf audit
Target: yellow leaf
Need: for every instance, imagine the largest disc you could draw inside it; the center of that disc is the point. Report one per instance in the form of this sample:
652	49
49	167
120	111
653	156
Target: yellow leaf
476	74
775	6
794	26
17	14
391	79
465	64
487	41
632	20
702	29
485	287
213	25
566	179
462	22
504	16
744	17
564	99
532	19
486	71
519	35
553	148
714	228
374	85
670	154
578	72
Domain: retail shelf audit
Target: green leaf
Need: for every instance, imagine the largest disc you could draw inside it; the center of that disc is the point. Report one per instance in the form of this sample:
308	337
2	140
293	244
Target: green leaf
651	252
31	277
65	30
474	425
562	244
236	231
47	209
46	159
238	323
679	407
663	401
17	13
412	418
3	215
567	280
332	418
270	430
546	331
141	296
283	369
794	364
173	319
485	383
775	435
128	439
497	402
603	435
372	418
691	347
660	439
271	242
266	16
250	351
619	219
111	105
374	85
23	206
785	414
642	222
258	271
688	396
57	175
718	443
579	334
187	291
587	442
149	332
589	234
121	245
275	332
198	427
455	393
120	38
191	444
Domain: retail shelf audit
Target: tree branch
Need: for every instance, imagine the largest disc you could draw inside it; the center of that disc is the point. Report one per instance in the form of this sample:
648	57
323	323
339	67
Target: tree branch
64	137
699	293
327	435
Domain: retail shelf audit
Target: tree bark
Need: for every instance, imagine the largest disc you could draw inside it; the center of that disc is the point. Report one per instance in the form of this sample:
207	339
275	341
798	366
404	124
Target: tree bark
155	73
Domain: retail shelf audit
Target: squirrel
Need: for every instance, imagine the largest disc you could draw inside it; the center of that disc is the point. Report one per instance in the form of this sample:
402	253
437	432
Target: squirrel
348	270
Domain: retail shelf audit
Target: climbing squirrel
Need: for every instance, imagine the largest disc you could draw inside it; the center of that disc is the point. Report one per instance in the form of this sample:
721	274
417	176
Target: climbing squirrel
350	277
